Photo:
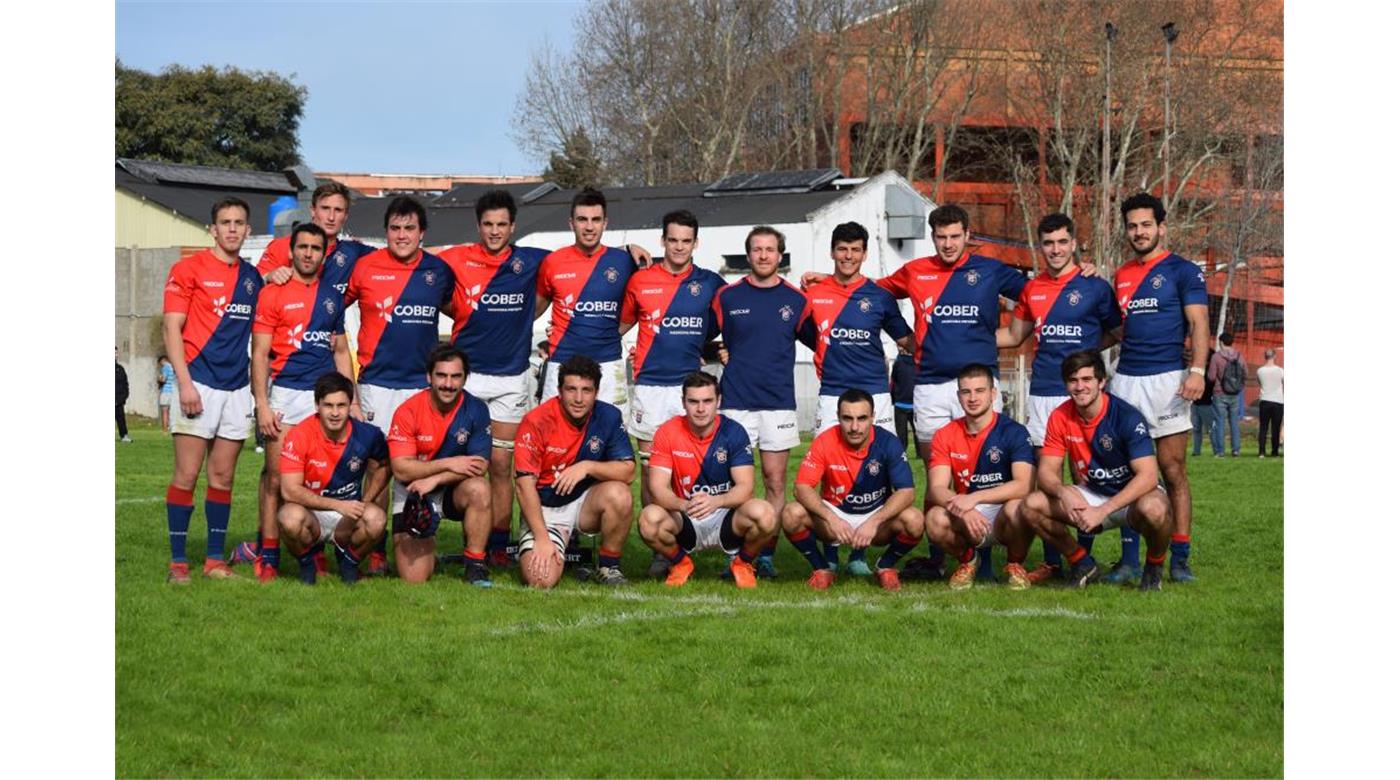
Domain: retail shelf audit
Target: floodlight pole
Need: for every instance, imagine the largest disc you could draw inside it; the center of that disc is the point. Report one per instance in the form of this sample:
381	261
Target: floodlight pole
1169	32
1110	32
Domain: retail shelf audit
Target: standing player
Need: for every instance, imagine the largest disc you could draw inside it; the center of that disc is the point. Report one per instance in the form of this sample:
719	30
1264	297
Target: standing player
439	446
330	207
867	494
760	318
207	321
702	487
1067	312
980	467
573	465
1115	475
672	304
325	459
298	337
400	290
1161	294
585	283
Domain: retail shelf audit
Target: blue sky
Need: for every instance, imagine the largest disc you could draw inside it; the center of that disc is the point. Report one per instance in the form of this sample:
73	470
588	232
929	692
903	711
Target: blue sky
403	87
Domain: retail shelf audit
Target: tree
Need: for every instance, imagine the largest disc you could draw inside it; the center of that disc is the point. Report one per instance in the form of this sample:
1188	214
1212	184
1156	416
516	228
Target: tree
577	165
230	118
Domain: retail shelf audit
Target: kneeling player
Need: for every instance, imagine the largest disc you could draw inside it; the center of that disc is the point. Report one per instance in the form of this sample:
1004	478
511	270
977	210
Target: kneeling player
1115	474
573	466
324	460
867	494
701	477
440	449
980	467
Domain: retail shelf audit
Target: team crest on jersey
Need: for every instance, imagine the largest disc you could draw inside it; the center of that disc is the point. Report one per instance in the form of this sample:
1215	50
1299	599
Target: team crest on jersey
873	468
994	455
354	464
329	305
595	445
610	275
1106	442
864	304
516	266
785	313
430	278
248	286
339	258
721	455
1074	298
694	288
461	435
1157	282
973	277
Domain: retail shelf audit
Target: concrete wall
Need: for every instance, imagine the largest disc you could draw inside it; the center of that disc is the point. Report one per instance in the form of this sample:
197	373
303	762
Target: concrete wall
140	277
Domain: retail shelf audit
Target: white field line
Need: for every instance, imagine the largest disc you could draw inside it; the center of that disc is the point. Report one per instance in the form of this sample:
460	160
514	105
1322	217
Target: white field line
596	621
146	500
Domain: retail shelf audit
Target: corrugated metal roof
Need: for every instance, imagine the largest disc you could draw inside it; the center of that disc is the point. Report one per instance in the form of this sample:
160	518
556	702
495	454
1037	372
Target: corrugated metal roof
207	176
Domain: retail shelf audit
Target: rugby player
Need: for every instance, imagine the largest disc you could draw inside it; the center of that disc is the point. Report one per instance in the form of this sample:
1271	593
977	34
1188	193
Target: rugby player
867	494
206	323
1067	312
702	481
298	337
1115	474
325	460
672	305
980	467
400	290
439	451
573	467
1161	295
330	207
760	318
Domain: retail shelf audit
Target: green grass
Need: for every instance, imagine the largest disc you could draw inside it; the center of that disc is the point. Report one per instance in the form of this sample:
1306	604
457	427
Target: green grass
238	679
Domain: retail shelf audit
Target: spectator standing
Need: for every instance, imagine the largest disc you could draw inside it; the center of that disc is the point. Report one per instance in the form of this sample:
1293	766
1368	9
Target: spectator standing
123	391
165	382
1203	416
903	376
1228	372
1270	402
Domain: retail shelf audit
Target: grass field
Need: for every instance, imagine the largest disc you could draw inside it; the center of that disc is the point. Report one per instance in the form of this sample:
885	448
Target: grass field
385	679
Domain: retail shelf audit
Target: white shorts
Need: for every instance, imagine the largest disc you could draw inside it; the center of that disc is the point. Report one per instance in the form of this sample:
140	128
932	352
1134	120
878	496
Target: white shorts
380	403
613	388
771	430
507	397
228	414
1156	397
1040	408
990	512
1115	520
559	521
650	407
826	412
291	406
328	521
707	531
853	520
399	496
936	405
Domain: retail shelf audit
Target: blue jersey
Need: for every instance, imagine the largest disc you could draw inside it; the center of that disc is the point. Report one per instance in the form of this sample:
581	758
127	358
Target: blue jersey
857	481
419	430
341	256
1101	450
493	306
1069	313
586	291
700	465
218	300
547	442
846	324
1153	295
333	469
399	307
675	317
760	327
982	460
956	311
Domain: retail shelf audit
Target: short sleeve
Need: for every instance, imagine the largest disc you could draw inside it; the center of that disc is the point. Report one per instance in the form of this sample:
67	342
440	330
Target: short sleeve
1054	436
812	468
265	317
629	303
1022	451
179	289
378	447
901	476
529	445
403	430
543	288
1192	281
293	453
1110	317
1136	434
1011	283
740	448
1023	308
272	259
894	323
661	449
479	444
619	445
895	283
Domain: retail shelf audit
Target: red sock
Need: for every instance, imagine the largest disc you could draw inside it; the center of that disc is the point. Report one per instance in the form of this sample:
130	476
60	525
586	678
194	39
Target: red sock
1077	556
967	555
1181	537
1156	560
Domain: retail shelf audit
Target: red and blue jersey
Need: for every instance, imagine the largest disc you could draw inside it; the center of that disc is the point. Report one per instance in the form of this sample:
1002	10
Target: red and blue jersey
587	294
420	431
218	300
1100	451
1153	294
334	469
760	327
547	443
675	317
399	307
700	465
1069	313
981	461
493	305
341	256
848	319
303	319
956	311
856	481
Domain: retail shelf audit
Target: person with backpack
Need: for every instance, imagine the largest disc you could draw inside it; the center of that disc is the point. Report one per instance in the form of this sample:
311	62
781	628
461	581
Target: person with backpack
1227	371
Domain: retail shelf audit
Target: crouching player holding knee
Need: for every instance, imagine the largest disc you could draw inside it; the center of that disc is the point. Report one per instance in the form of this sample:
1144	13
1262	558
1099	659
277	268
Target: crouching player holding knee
439	450
1115	474
701	478
325	459
573	469
980	467
867	494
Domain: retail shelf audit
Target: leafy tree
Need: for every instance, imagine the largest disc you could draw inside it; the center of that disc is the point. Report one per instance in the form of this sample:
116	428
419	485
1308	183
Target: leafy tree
206	116
577	165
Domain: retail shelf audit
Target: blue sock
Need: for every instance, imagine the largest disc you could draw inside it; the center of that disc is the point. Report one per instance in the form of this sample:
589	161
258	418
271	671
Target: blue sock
984	564
216	511
271	552
857	555
1181	547
349	565
1132	546
1052	555
769	549
832	554
306	566
898	549
499	539
807	545
1087	541
179	507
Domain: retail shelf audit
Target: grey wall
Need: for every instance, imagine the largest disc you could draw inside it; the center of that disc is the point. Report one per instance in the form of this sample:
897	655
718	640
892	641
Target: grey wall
141	275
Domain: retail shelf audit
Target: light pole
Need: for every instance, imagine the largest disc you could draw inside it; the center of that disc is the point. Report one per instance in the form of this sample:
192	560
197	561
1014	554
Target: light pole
1169	32
1110	32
